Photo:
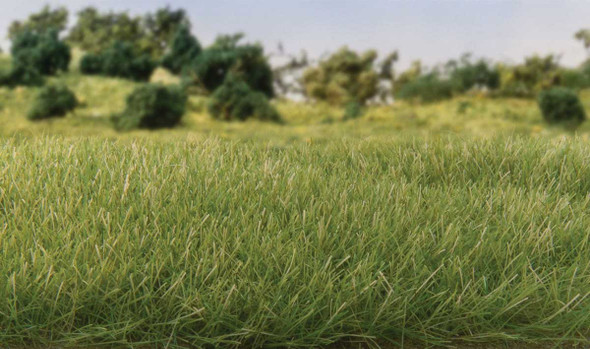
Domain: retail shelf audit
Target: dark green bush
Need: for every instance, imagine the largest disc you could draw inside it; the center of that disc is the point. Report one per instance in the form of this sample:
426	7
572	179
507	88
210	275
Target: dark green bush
574	79
52	101
353	110
475	75
91	64
152	106
426	89
22	75
561	104
120	60
235	100
248	62
44	51
185	48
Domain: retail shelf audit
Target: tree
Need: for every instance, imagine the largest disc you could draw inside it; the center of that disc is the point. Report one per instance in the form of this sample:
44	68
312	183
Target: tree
162	28
342	78
46	20
119	60
43	51
183	50
95	32
584	36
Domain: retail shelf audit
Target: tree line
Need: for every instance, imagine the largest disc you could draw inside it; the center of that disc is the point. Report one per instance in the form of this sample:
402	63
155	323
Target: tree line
238	75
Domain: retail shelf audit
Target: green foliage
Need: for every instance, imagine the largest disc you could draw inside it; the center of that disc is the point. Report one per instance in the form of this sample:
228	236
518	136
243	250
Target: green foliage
467	75
120	60
576	79
235	100
427	89
344	77
152	106
42	22
52	101
561	105
95	32
151	34
44	51
161	29
91	64
184	49
226	56
21	75
353	110
528	79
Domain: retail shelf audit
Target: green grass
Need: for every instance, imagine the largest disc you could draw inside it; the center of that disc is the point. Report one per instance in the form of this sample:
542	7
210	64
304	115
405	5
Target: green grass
212	242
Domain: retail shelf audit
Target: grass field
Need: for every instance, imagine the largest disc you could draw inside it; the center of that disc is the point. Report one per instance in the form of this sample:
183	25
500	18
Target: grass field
457	223
215	242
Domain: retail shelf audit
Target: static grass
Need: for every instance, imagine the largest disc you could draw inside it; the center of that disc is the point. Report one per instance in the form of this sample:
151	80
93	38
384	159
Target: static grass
216	243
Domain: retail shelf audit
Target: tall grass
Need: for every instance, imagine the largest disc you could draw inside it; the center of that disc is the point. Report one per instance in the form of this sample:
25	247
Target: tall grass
217	243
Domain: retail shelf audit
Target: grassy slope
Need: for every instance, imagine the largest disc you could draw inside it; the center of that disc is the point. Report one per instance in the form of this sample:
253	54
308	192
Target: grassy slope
215	242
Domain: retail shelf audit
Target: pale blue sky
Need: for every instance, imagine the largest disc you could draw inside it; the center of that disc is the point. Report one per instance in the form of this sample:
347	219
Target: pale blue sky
432	30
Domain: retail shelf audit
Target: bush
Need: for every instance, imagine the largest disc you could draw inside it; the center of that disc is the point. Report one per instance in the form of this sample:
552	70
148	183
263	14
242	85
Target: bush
120	60
22	75
91	64
152	106
43	51
185	48
248	62
353	110
52	101
426	89
235	100
561	104
475	75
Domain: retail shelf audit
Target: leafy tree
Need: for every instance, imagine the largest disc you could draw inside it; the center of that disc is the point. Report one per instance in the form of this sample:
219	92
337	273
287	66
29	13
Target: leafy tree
184	49
526	80
47	19
96	32
151	34
467	75
225	56
235	100
22	75
342	78
44	51
162	28
584	36
152	106
411	74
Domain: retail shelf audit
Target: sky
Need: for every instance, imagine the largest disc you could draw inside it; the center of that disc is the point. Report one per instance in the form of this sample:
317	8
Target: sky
431	30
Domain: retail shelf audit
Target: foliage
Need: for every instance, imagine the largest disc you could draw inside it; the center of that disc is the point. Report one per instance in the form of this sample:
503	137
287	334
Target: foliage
151	34
466	75
21	75
576	79
44	51
161	29
235	100
427	88
95	32
353	110
152	106
120	60
52	101
408	76
226	56
344	77
561	105
46	20
183	50
528	79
